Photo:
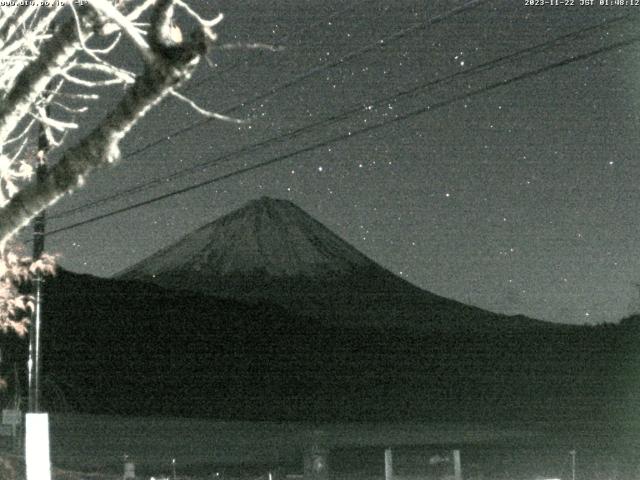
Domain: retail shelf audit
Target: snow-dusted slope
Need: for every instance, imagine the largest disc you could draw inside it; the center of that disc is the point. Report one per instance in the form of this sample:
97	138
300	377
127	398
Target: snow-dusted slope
270	236
271	250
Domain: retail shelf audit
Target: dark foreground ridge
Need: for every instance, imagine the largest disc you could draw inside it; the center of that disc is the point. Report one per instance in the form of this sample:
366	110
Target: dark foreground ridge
126	347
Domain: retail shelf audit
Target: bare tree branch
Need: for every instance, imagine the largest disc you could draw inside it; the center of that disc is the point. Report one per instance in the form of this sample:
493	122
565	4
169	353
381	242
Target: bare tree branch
40	67
169	67
33	80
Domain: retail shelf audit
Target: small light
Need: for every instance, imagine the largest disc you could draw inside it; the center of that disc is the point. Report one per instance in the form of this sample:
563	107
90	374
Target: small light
175	34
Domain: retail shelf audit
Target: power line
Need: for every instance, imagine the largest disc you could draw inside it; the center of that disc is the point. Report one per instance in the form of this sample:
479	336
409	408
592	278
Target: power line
535	49
317	69
350	135
400	34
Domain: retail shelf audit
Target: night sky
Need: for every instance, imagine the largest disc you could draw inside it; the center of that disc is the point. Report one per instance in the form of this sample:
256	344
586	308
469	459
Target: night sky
518	199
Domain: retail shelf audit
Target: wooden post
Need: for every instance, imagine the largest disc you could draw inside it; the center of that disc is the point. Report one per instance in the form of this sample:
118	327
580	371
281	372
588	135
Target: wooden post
388	464
457	465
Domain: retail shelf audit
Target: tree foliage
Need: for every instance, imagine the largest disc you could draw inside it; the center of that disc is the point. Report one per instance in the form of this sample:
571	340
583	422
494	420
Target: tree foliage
55	62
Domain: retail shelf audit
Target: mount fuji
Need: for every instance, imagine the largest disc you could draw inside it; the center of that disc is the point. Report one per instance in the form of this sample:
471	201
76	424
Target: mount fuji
310	329
271	250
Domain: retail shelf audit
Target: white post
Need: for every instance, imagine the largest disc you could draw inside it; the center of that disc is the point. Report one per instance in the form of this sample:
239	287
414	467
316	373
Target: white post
457	465
573	464
129	469
388	464
37	446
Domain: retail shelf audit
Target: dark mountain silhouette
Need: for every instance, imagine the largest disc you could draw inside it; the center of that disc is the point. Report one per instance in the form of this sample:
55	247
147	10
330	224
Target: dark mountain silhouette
271	250
265	314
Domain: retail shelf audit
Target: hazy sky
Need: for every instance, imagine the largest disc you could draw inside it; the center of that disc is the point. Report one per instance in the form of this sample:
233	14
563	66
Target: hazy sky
521	198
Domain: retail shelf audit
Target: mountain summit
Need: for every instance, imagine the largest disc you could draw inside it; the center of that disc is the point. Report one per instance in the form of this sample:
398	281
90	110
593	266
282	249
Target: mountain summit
271	250
270	236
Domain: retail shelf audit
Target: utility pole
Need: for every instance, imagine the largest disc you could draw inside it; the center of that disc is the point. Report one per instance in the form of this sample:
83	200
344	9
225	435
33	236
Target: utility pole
38	247
573	464
36	444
